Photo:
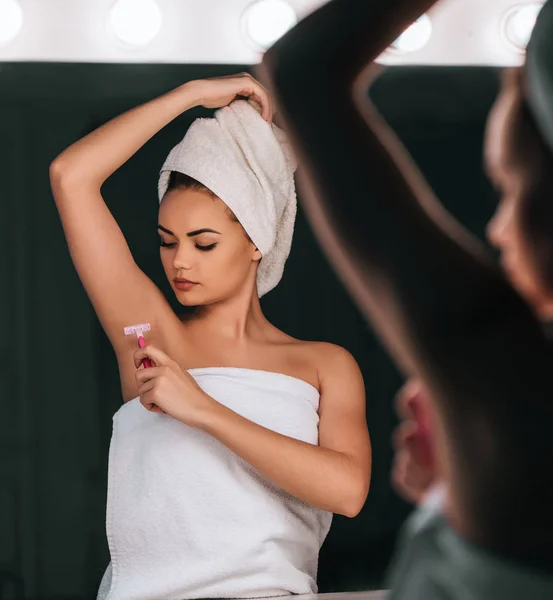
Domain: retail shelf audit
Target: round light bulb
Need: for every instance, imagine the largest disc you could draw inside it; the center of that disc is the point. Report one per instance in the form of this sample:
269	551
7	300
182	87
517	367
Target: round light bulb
136	22
414	37
11	20
265	21
519	23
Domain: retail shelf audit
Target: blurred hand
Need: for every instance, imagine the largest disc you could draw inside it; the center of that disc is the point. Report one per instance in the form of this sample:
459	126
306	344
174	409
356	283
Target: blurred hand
414	469
217	92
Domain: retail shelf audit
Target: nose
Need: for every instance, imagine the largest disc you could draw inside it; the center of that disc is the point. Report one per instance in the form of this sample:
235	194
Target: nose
182	261
498	229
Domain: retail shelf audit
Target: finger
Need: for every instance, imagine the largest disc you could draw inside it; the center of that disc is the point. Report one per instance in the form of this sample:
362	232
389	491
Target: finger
405	488
138	362
409	478
143	375
146	397
149	351
138	357
258	93
145	387
417	405
149	405
410	439
266	102
403	432
405	397
257	101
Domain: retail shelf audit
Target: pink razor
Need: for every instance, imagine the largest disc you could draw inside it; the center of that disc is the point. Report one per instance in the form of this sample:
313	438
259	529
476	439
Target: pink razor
139	330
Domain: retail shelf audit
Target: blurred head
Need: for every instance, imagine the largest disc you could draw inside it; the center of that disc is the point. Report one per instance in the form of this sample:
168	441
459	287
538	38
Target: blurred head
521	167
203	242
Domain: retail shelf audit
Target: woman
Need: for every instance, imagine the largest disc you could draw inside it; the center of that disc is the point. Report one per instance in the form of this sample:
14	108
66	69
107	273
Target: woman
438	300
520	165
225	486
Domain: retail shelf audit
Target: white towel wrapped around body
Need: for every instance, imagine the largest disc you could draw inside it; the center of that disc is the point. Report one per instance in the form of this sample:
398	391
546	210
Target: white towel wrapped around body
248	163
188	518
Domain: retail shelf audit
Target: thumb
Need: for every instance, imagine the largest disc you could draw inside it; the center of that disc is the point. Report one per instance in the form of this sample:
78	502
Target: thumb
142	356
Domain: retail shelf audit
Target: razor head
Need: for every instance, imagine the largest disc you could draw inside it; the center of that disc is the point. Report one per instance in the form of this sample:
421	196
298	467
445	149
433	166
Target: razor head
138	329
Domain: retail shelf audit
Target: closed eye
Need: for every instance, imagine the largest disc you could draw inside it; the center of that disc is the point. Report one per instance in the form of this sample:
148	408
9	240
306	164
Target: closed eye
198	246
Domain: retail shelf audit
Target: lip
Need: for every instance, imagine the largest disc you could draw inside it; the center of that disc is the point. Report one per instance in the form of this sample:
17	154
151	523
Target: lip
184	284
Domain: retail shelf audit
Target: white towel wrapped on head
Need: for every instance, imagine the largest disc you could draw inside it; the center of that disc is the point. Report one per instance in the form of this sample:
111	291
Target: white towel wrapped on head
248	163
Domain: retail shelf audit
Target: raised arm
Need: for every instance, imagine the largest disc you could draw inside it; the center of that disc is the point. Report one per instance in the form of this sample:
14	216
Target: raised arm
429	287
119	291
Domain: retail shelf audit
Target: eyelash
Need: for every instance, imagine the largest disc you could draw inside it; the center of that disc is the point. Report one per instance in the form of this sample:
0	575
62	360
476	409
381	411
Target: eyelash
201	248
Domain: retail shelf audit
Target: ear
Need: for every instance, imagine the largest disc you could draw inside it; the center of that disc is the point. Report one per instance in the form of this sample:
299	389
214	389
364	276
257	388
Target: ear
257	256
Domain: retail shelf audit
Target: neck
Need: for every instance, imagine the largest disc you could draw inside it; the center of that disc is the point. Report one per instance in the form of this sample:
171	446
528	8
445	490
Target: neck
237	319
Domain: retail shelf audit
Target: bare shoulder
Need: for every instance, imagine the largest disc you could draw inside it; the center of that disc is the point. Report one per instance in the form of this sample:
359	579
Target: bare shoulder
320	363
327	351
333	364
332	360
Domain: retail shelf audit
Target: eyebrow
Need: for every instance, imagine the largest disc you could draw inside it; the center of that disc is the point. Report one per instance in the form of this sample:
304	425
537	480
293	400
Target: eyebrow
190	233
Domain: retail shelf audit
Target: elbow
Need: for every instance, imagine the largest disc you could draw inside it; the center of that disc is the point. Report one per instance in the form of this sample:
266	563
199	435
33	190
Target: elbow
63	176
353	506
58	171
57	179
355	501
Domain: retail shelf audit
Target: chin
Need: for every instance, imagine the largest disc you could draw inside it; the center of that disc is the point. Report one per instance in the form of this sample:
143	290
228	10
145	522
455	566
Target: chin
193	299
187	300
529	293
526	283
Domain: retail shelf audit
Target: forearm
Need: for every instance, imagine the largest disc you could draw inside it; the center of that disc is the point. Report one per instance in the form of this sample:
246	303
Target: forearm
318	476
92	159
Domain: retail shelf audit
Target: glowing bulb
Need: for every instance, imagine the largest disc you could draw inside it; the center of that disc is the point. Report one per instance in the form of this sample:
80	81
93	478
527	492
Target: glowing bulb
414	37
11	20
265	21
136	22
519	23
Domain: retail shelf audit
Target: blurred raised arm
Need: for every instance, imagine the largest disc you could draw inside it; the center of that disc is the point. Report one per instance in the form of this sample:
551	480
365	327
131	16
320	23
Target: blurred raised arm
429	288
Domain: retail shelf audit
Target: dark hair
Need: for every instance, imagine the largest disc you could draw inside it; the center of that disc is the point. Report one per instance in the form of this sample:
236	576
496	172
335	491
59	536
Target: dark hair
185	182
527	149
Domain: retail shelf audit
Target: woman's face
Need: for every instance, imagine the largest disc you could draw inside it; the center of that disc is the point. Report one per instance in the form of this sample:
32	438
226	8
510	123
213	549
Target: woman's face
202	244
505	230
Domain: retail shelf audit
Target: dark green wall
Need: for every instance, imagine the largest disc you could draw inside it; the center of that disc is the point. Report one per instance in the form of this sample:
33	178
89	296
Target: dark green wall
60	384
